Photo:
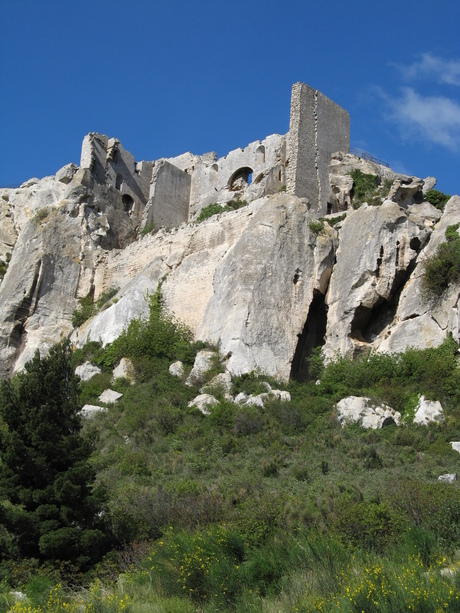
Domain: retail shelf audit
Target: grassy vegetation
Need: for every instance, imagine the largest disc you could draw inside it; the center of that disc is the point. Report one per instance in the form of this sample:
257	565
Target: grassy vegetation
263	509
216	209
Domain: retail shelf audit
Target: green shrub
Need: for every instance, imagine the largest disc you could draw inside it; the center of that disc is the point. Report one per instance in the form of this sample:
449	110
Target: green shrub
216	209
437	198
316	227
443	267
41	215
365	189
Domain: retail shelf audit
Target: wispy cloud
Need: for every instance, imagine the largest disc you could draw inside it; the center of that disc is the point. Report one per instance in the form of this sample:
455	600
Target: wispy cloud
435	119
430	66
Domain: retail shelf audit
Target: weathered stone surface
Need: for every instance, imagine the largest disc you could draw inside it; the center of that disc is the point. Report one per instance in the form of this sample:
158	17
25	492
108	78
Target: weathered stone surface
377	247
203	362
222	381
448	478
429	183
177	369
428	411
456	446
203	402
87	371
405	191
241	398
125	370
110	396
66	173
91	409
360	410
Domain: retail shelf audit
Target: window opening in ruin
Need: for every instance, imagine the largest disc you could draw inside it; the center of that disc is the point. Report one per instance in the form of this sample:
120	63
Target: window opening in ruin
260	154
119	182
259	178
128	202
240	179
213	173
329	208
312	336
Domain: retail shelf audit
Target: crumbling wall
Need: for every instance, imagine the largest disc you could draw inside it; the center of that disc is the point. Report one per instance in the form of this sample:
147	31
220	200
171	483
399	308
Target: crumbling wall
110	164
249	173
318	128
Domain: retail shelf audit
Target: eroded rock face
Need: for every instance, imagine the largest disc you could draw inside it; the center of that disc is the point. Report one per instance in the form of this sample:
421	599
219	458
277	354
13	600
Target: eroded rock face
266	283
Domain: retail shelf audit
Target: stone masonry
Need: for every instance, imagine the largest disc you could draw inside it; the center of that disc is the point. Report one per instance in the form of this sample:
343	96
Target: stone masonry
318	128
168	192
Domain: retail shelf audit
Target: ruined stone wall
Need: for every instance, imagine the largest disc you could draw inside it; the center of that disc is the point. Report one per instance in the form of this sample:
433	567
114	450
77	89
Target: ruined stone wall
169	196
318	127
226	178
111	164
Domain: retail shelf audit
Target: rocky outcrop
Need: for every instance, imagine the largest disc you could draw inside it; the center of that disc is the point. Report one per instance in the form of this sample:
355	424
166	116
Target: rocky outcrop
266	283
362	411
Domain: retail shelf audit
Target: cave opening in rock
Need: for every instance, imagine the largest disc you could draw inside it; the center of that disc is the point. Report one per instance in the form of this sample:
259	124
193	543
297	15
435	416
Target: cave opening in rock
312	336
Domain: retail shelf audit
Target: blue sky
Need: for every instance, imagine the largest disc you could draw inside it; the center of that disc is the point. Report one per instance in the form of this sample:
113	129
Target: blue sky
176	76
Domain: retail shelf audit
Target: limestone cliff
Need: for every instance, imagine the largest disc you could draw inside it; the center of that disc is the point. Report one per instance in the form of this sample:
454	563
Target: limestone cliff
267	282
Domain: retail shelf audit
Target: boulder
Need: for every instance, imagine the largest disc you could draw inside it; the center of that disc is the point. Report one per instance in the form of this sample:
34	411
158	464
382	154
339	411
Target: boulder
428	411
91	409
456	446
362	411
222	381
281	395
241	398
202	402
177	369
203	362
448	478
110	396
124	370
87	371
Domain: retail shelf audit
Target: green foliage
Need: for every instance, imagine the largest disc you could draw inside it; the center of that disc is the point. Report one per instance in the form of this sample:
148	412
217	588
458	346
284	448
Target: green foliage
216	209
365	189
437	198
332	221
443	267
45	477
88	307
147	229
316	227
160	337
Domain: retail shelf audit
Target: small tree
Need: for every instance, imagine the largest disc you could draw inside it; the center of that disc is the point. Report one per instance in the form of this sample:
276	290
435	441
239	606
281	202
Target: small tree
45	478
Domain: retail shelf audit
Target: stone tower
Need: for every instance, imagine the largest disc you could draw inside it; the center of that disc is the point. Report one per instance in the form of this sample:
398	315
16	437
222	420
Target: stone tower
318	128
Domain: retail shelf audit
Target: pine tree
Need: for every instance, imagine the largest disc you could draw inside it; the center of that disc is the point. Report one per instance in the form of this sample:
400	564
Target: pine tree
45	477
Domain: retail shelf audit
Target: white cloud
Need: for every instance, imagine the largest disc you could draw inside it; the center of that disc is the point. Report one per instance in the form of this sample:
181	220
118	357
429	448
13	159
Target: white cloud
430	66
435	119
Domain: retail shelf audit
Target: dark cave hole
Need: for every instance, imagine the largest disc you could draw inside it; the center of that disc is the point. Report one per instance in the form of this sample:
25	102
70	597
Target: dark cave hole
312	336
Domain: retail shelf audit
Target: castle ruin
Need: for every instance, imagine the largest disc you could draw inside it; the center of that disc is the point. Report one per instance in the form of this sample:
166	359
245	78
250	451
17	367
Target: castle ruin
168	192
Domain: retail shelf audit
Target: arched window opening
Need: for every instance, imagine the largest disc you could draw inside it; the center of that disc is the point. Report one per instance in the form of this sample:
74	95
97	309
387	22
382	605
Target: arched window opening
119	182
213	173
260	154
240	179
128	202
